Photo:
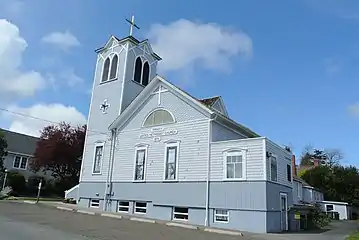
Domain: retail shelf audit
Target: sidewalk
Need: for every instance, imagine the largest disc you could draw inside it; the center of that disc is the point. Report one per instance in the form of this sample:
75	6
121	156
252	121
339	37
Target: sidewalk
98	212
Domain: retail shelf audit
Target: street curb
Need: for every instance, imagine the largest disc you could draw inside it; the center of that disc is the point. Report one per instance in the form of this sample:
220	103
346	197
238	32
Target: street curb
173	224
29	202
65	209
142	220
110	215
220	231
85	212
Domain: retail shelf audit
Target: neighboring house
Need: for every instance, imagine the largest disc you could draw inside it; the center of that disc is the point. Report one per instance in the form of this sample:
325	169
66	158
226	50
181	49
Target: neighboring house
155	151
343	209
21	149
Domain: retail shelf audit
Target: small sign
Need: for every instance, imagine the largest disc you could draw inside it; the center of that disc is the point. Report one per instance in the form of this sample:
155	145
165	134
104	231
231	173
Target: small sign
297	216
156	133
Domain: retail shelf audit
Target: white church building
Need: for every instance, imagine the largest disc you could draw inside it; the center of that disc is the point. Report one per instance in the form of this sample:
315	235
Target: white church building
155	151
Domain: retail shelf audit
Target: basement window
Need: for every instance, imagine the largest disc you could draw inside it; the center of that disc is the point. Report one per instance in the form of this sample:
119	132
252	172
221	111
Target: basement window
95	203
180	213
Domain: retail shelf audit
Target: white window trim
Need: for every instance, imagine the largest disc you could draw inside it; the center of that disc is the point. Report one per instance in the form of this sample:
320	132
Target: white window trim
98	144
91	204
143	61
220	215
21	159
156	125
123	206
325	205
135	208
270	167
167	145
139	148
234	152
286	210
110	56
174	213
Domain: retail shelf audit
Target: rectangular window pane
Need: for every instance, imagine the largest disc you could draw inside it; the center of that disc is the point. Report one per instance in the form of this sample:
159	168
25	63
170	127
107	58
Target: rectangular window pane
140	164
171	162
123	206
273	169
17	162
221	215
95	203
180	213
140	207
98	159
238	170
289	173
234	166
23	162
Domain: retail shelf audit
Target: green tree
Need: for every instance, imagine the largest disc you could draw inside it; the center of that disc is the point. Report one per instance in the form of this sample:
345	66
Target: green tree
3	150
338	183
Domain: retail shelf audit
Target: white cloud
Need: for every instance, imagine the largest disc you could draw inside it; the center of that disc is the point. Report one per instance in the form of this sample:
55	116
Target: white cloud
13	81
51	112
65	40
65	77
184	43
354	109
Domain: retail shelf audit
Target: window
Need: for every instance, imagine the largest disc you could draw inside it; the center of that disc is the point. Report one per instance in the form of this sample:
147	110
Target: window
114	66
20	162
221	215
95	203
140	207
106	69
289	172
273	168
171	161
299	190
234	165
138	70
180	213
140	163
158	117
329	208
145	74
123	206
98	159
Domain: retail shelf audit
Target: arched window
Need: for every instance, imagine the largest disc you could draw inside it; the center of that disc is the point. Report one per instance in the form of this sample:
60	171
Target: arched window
138	69
113	72
145	74
106	69
158	117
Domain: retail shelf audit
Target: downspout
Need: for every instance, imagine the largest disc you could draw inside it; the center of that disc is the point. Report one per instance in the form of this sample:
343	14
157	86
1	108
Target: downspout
208	168
109	170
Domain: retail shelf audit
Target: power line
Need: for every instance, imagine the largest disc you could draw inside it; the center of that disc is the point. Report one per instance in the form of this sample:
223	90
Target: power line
45	120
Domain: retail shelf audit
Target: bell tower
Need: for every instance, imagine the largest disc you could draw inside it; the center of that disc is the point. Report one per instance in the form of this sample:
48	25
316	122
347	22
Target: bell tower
124	67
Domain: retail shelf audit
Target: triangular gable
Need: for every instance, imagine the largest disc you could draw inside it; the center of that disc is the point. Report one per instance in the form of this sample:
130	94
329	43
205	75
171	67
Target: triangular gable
147	91
219	105
147	47
108	44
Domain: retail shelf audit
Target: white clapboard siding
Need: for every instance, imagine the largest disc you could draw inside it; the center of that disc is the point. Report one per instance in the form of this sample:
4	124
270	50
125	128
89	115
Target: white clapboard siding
193	153
254	158
283	159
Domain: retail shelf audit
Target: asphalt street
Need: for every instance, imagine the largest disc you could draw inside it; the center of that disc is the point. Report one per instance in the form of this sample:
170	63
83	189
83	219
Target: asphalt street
20	221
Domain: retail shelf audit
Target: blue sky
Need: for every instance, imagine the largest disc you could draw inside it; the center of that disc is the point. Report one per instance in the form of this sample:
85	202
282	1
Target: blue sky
287	69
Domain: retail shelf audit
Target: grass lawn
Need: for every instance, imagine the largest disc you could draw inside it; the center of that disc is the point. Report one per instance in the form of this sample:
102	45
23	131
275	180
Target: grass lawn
353	236
34	199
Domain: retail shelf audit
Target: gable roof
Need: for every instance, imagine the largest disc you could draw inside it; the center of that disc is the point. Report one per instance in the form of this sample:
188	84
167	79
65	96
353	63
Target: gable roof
209	101
200	105
20	143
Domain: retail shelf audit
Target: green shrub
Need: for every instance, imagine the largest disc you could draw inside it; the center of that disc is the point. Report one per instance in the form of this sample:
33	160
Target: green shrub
17	183
317	218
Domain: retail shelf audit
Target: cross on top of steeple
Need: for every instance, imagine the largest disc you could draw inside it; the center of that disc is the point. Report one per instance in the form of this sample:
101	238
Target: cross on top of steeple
132	24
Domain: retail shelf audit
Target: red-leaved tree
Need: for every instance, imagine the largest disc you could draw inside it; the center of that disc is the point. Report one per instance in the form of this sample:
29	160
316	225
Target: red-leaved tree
59	151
